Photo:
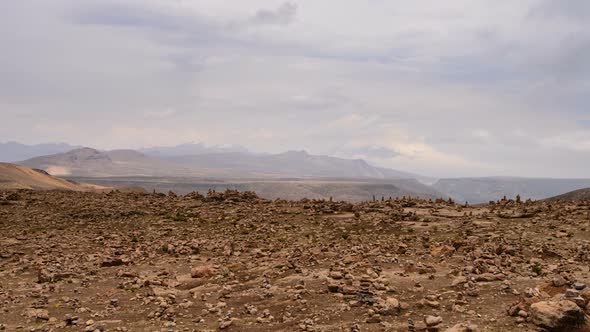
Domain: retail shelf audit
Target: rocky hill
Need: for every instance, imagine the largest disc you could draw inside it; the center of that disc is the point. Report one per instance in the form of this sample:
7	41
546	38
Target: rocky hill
576	195
14	176
483	190
94	163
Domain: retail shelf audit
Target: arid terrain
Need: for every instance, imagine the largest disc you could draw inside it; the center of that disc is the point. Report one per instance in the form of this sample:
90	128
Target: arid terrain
14	176
81	261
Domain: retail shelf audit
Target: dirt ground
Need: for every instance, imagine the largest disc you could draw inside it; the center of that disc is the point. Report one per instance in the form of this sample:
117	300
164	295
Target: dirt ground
75	261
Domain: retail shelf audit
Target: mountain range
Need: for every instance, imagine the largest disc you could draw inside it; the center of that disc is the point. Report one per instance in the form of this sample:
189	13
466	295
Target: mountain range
235	167
188	149
89	162
293	174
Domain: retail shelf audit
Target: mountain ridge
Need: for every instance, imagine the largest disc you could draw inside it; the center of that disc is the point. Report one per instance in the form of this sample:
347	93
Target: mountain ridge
13	176
485	189
94	163
127	162
573	196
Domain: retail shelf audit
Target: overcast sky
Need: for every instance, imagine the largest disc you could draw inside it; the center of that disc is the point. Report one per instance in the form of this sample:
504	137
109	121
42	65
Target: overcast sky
442	88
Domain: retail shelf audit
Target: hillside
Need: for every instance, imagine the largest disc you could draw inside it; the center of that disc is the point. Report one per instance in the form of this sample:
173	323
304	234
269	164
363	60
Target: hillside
573	196
390	265
188	149
87	162
20	177
291	164
93	163
483	190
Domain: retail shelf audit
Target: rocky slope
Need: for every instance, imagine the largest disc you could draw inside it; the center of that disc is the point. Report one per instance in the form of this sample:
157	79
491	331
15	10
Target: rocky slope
483	190
14	176
230	261
576	195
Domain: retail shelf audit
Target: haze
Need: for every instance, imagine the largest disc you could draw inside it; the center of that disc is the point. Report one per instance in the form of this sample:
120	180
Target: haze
440	88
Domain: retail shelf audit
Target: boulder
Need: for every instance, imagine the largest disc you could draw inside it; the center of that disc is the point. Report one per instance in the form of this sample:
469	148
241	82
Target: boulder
557	315
432	320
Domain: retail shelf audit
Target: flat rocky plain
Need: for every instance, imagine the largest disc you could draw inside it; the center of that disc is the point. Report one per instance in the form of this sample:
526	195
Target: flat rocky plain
74	261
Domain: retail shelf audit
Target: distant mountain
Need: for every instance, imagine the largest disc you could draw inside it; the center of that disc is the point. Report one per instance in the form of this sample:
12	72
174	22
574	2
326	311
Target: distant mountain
14	176
389	173
188	149
297	164
293	174
93	163
13	151
483	190
87	162
193	159
573	196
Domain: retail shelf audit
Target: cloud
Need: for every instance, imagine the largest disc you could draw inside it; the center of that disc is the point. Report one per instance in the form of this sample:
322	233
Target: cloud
353	121
467	87
137	137
575	141
572	9
165	113
283	15
368	152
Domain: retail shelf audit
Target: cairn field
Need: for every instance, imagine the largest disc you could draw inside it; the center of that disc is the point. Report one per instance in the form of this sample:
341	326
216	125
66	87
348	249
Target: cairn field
84	261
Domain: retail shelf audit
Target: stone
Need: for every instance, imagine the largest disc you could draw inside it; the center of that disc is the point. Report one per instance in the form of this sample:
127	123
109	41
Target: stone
71	320
559	281
334	287
488	277
444	250
113	261
460	280
224	324
40	314
579	286
202	272
389	306
556	315
570	293
462	327
432	320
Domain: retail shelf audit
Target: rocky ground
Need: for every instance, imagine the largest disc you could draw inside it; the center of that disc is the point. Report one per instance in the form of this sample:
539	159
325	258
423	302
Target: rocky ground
74	261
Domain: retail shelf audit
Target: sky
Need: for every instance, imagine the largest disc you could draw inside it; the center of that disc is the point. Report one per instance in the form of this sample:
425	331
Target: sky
441	88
